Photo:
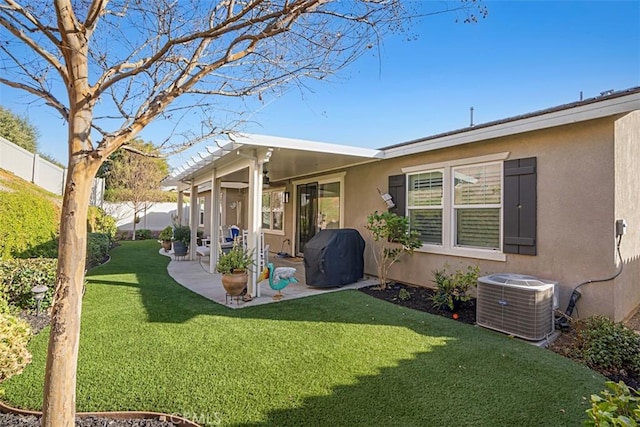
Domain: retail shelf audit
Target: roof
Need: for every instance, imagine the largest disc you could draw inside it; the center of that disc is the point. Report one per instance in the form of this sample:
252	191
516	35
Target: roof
591	108
289	158
294	158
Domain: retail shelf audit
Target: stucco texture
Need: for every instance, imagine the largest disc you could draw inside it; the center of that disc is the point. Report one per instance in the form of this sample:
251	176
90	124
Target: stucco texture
627	206
575	211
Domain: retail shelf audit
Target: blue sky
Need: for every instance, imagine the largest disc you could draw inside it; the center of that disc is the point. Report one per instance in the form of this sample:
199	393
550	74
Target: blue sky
523	57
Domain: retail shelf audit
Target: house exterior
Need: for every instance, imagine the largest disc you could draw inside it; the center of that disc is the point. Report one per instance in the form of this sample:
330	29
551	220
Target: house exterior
536	194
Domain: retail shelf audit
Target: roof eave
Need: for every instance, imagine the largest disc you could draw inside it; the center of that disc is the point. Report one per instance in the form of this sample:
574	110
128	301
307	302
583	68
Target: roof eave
528	123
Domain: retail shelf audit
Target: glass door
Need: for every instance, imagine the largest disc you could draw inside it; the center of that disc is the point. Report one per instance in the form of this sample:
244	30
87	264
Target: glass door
307	214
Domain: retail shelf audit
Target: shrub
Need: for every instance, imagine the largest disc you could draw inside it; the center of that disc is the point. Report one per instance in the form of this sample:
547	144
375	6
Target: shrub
608	346
166	234
97	248
618	407
452	288
391	239
29	225
14	355
143	234
19	276
182	233
99	222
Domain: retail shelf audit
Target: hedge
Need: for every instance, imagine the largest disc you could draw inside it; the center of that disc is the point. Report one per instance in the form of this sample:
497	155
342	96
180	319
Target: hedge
19	276
98	245
99	222
29	225
14	355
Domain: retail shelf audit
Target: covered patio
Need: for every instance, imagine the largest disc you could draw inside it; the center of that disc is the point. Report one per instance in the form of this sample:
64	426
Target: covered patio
194	276
279	191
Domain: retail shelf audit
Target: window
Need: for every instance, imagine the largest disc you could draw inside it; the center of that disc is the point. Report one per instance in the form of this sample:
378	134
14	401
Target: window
425	206
457	206
201	202
273	210
476	205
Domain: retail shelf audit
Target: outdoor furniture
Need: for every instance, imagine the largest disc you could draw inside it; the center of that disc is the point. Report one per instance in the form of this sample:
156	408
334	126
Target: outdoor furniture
202	251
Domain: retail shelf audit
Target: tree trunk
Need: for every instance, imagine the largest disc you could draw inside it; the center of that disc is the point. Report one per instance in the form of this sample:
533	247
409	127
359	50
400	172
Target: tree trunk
60	376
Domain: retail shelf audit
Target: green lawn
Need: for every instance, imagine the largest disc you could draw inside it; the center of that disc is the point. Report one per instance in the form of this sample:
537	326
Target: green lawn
339	359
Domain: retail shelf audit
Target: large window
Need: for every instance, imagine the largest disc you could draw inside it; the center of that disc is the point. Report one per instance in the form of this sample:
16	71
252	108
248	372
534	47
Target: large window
273	210
476	205
456	206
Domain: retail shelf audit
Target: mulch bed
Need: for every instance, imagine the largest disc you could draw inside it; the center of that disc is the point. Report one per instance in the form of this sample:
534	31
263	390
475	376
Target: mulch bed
8	420
420	300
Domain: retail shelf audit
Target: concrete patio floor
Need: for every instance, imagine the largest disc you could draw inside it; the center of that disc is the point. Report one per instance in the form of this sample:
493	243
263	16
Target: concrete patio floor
195	276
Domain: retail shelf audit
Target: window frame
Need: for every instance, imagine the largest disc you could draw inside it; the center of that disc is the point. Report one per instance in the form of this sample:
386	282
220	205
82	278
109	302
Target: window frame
270	230
201	210
448	246
455	207
440	207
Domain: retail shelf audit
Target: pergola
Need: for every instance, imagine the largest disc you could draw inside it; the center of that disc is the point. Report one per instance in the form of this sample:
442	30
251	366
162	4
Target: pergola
241	160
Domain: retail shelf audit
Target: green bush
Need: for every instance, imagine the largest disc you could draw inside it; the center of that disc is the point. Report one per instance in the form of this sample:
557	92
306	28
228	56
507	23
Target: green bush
166	234
143	234
98	245
19	276
29	225
607	345
182	233
453	288
99	222
618	407
14	355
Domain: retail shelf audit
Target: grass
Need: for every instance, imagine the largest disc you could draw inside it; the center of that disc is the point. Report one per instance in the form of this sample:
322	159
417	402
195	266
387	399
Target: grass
342	359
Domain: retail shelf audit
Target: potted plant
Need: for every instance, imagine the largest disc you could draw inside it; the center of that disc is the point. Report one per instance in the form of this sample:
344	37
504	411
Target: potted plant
234	265
165	236
391	239
452	289
181	239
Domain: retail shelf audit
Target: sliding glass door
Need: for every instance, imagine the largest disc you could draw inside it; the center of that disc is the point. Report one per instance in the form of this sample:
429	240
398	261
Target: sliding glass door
318	208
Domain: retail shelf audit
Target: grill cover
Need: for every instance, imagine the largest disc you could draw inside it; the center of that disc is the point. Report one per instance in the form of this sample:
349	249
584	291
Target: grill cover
334	258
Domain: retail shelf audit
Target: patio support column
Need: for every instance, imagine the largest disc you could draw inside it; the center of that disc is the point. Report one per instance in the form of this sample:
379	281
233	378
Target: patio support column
180	206
214	249
255	222
193	220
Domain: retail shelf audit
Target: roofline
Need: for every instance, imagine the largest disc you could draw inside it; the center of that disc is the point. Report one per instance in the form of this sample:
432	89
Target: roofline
247	141
305	145
589	109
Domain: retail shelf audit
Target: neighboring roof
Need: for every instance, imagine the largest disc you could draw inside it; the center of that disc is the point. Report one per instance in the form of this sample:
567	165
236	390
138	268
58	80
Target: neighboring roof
601	106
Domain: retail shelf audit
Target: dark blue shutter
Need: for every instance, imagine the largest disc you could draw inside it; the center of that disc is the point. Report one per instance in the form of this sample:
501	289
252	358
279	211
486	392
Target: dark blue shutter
398	191
520	211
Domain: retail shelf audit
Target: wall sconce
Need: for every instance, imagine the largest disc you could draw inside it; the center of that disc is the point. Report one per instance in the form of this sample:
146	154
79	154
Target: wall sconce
285	197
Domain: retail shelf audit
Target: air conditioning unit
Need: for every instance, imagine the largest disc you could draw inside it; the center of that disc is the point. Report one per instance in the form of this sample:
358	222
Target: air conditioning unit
517	305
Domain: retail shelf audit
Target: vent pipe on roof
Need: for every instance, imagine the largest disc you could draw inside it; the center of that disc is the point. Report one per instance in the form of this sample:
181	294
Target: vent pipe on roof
471	118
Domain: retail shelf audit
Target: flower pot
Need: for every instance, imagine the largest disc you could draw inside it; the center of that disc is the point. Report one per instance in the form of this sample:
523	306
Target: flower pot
166	245
235	283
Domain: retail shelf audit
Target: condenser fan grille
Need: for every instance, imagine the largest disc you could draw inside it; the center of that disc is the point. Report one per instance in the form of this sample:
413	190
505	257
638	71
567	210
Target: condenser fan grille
523	311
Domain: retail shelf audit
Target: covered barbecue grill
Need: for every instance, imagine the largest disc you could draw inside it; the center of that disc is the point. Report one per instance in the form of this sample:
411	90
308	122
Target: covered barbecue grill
334	258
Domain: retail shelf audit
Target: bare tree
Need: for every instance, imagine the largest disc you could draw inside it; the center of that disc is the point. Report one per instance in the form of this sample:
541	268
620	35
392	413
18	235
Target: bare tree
133	177
111	68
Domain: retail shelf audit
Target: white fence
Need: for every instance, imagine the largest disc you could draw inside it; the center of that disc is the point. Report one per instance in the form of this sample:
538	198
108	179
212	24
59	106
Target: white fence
154	218
31	167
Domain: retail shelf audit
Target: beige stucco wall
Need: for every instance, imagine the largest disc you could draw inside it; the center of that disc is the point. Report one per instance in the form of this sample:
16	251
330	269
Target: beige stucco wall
627	206
575	209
